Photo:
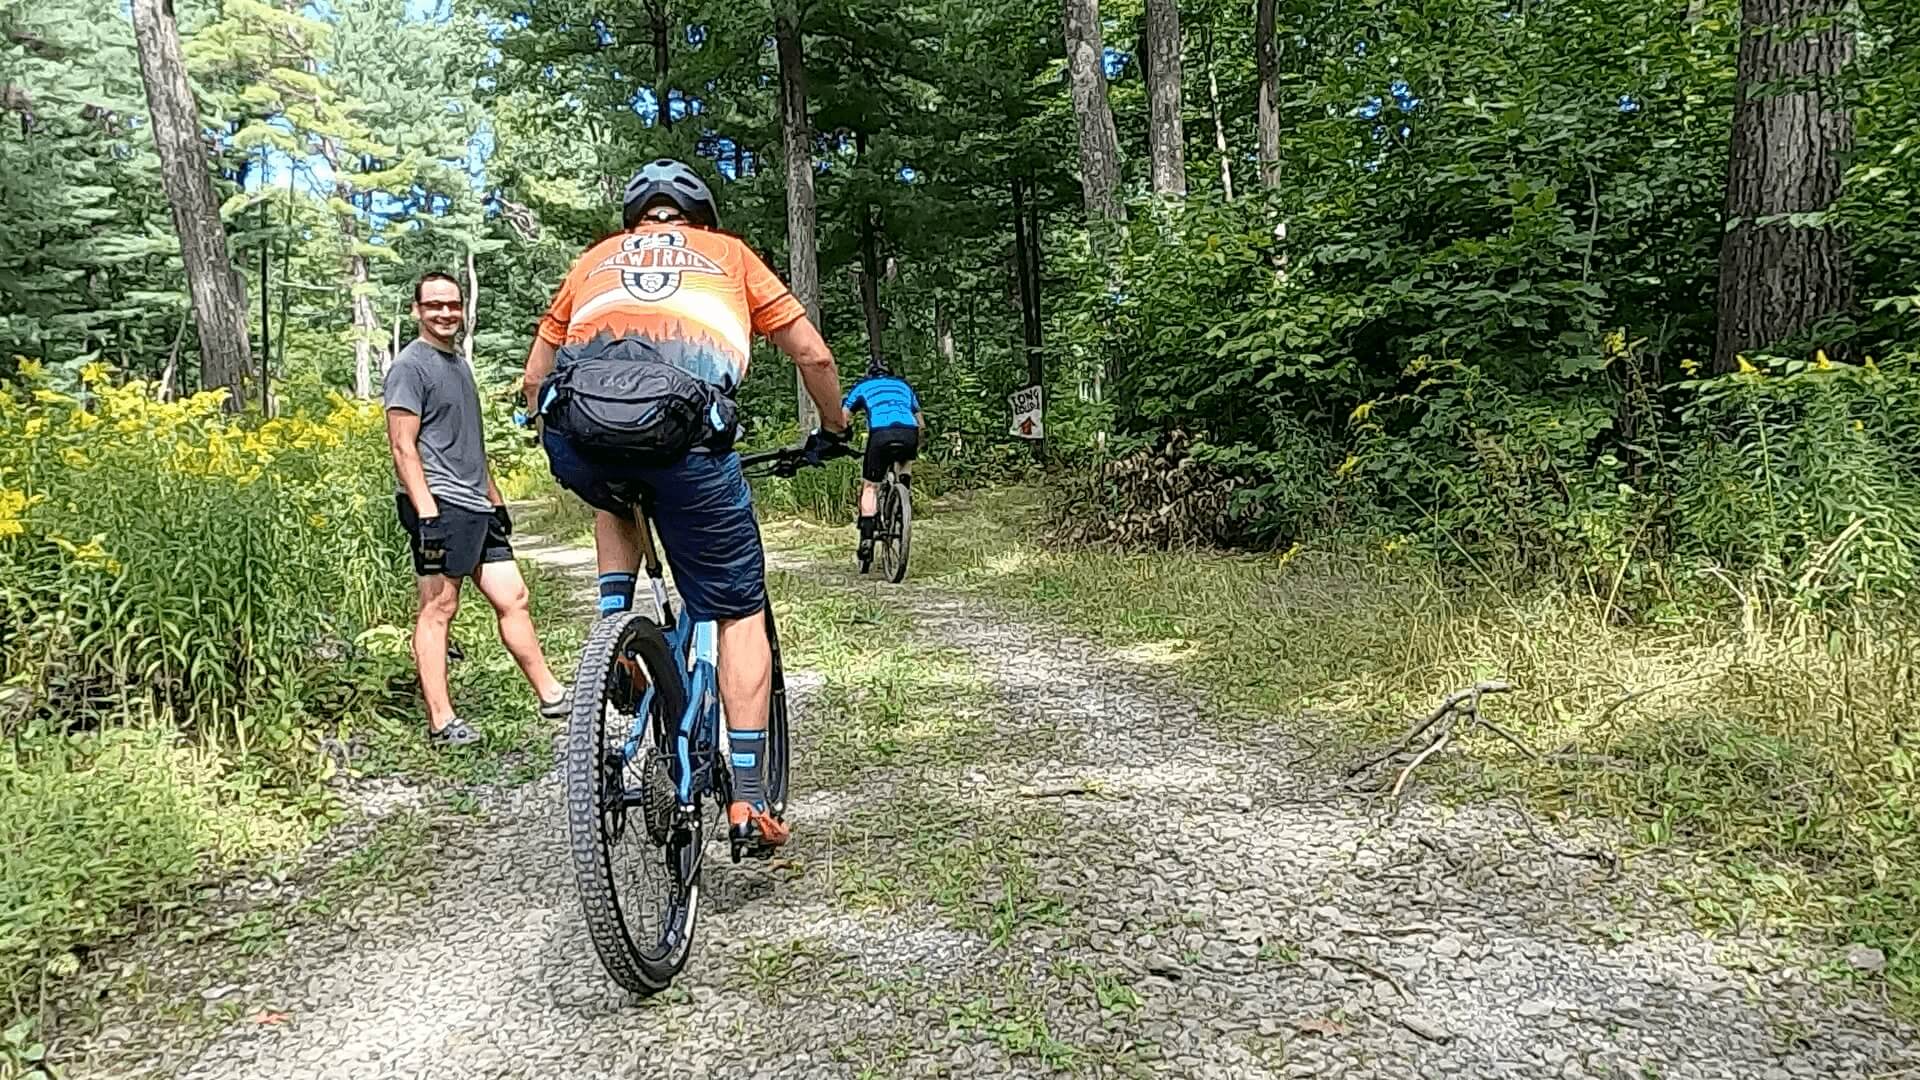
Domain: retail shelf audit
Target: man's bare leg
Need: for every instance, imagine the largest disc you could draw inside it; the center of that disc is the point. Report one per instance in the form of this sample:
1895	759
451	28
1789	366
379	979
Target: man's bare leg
616	547
439	603
746	688
506	590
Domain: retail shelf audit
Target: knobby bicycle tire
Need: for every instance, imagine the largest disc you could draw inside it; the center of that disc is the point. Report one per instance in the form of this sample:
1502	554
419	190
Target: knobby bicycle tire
592	836
775	769
899	529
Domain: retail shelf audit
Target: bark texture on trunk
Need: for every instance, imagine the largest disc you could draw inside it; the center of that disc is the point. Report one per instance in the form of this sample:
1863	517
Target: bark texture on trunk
943	341
1026	270
473	310
1790	129
366	323
803	267
1219	126
1099	146
1267	60
219	308
1167	135
662	90
870	269
870	284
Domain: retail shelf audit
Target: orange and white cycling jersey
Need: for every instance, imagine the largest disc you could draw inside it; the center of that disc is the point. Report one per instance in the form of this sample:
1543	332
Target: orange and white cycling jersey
696	296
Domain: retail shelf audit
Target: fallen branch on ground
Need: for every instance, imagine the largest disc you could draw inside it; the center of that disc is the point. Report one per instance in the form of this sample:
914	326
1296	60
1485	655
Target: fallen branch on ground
1459	712
1364	968
1606	858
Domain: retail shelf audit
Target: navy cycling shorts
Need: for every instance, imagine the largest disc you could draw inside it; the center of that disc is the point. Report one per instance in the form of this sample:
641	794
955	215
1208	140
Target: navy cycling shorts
701	510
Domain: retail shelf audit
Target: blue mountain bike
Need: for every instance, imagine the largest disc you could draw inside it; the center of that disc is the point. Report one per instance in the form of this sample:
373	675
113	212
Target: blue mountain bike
646	770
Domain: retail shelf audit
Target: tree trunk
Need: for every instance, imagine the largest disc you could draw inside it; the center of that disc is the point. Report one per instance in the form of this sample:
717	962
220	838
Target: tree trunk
662	91
1026	271
803	268
219	309
365	324
1268	119
870	283
1167	138
1219	127
1790	128
943	331
1099	146
870	267
473	308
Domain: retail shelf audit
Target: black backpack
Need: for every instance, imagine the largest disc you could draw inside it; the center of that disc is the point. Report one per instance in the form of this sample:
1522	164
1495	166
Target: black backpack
619	396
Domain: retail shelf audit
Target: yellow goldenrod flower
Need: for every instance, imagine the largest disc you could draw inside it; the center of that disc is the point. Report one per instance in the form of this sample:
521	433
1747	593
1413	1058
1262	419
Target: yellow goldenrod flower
1820	361
93	374
30	370
1690	366
1745	367
12	505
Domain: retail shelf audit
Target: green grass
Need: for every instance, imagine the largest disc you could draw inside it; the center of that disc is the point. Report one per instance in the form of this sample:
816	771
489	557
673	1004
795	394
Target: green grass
488	690
1778	750
971	864
884	702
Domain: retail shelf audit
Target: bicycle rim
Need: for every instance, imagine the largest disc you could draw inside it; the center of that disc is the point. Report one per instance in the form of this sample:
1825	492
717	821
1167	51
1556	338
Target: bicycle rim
637	868
899	518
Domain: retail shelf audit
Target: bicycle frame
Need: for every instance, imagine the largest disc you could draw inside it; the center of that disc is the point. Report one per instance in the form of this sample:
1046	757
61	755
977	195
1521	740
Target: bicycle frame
696	644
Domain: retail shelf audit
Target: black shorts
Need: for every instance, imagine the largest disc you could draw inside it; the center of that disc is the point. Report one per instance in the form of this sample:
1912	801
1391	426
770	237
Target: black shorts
888	445
473	539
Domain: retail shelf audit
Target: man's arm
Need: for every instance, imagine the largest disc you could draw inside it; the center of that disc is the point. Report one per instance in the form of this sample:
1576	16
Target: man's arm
539	366
818	372
403	438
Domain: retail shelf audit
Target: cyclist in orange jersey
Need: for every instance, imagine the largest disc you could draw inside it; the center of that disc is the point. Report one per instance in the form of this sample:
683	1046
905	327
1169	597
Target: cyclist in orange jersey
633	375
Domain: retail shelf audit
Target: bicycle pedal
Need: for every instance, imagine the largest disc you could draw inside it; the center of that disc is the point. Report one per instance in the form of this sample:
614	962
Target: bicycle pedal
745	848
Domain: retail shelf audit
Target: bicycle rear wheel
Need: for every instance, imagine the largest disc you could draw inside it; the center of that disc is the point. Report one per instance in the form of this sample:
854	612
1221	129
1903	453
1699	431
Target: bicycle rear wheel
896	520
636	864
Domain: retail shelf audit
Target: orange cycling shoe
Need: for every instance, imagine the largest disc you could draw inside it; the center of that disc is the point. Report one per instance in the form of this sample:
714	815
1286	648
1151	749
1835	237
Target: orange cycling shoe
754	834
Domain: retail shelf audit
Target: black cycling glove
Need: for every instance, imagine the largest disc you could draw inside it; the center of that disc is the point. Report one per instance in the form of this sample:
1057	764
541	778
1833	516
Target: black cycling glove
433	544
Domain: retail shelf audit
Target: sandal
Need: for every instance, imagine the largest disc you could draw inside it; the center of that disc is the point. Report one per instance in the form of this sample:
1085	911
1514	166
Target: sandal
559	708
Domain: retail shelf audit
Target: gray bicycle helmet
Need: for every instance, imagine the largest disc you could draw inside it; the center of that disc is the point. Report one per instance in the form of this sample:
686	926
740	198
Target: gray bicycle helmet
878	369
670	181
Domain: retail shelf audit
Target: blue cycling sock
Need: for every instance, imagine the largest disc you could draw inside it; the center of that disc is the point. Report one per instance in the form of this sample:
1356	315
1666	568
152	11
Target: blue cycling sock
616	593
749	775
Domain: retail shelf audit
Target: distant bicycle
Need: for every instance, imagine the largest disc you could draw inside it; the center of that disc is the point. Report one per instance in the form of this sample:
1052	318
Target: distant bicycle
893	525
646	767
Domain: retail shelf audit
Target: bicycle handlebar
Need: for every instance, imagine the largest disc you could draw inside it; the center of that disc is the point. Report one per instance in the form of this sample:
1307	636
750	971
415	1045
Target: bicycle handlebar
789	460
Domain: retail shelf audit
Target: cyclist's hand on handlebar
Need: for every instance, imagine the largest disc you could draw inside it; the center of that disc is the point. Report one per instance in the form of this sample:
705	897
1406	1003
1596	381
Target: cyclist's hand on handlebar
823	444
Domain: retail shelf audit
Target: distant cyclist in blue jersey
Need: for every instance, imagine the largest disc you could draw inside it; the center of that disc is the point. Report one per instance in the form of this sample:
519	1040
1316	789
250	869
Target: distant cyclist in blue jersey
893	435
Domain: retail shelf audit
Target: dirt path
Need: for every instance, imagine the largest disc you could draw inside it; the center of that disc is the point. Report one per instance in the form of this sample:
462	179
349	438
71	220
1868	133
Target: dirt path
1096	879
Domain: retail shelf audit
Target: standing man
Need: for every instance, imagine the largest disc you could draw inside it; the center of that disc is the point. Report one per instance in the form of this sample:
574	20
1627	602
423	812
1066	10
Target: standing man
451	509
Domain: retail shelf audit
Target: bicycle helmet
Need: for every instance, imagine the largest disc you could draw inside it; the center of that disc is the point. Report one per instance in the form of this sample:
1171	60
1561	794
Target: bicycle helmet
667	180
878	369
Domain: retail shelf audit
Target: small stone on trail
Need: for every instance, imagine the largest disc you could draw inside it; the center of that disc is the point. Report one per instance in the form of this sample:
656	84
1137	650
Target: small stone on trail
1866	958
215	993
1426	1029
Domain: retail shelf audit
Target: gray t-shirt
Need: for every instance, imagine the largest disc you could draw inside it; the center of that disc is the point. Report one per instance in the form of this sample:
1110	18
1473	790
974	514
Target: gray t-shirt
437	387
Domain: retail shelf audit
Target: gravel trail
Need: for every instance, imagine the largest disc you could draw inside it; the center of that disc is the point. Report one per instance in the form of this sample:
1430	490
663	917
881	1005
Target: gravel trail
1101	881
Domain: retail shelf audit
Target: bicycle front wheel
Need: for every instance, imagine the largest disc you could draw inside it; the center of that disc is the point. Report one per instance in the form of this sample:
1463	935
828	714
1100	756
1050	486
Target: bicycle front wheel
896	517
637	866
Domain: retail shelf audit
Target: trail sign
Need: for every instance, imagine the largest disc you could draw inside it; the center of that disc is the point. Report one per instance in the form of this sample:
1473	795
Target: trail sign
1027	419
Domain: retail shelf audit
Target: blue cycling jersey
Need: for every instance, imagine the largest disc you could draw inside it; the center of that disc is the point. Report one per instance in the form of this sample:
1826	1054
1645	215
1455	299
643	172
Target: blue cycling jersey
889	402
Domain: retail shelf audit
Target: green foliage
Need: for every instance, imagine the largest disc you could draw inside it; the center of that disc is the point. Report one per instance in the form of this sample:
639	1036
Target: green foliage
168	561
93	827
